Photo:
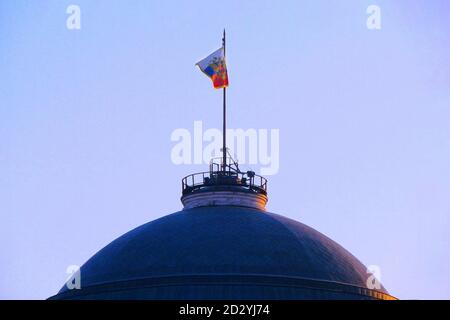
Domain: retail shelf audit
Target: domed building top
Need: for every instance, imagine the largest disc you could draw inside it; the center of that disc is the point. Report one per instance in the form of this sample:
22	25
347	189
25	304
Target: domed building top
223	245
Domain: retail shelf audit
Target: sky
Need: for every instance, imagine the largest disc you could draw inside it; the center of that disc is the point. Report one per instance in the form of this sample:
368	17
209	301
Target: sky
86	117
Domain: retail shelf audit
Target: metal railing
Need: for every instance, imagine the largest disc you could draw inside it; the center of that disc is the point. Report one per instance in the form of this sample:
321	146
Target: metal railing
227	177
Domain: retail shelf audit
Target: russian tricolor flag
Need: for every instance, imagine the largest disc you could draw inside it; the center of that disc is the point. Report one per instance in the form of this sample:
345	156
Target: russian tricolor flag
214	66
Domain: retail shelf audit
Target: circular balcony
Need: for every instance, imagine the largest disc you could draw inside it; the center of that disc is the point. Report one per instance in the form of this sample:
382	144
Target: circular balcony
228	175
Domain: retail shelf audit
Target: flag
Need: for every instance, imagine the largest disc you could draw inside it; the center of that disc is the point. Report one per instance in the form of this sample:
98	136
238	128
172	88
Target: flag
214	66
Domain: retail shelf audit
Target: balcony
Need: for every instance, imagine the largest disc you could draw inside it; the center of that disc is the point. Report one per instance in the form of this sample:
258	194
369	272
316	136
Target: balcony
224	175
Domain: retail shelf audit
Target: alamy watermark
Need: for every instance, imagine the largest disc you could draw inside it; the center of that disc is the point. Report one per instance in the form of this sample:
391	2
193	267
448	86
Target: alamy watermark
374	279
374	20
73	281
249	146
73	21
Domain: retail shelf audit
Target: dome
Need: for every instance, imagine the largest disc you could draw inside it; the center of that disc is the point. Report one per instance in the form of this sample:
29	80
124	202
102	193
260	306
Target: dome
223	245
223	252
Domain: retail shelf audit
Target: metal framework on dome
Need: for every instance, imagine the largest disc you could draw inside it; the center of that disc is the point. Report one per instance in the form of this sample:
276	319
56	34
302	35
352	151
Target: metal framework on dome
221	174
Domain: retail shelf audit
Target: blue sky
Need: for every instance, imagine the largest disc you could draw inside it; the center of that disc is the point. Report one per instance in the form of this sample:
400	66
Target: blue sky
86	117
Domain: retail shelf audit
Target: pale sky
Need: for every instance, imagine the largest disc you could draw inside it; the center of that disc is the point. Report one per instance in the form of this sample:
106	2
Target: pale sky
86	118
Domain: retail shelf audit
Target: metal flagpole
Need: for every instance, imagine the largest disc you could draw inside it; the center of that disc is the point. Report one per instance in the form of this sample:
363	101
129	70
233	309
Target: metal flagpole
224	148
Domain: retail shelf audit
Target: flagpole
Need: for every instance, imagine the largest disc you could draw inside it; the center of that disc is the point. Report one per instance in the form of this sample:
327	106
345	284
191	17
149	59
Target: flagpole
224	147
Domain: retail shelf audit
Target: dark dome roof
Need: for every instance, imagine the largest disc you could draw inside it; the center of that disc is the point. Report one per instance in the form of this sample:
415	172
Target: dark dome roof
223	252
